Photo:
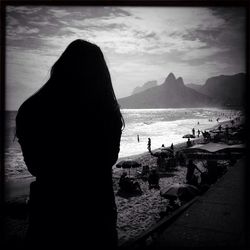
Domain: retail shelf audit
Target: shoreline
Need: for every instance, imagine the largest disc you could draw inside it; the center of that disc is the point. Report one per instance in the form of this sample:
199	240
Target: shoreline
177	147
19	187
135	214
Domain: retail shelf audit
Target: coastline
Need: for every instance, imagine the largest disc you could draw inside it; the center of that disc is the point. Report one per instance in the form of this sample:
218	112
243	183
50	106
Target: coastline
146	158
16	188
19	186
135	214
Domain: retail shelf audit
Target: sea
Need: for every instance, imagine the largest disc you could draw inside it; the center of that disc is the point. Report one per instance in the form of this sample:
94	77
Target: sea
162	126
166	126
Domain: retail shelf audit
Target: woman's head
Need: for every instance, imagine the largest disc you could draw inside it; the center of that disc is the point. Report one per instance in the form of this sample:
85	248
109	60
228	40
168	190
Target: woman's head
79	59
81	75
82	67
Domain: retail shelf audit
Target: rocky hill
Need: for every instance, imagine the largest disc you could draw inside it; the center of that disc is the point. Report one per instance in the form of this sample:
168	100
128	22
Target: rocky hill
171	94
227	90
145	86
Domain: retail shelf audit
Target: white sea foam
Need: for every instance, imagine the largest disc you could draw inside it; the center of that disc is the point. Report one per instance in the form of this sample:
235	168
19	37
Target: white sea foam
165	126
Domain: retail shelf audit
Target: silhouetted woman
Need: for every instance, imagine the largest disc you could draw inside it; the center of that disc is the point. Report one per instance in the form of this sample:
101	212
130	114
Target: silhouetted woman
72	201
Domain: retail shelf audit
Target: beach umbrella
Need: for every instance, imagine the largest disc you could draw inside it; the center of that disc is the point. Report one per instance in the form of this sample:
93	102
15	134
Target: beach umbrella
162	153
181	191
188	136
128	164
119	164
167	149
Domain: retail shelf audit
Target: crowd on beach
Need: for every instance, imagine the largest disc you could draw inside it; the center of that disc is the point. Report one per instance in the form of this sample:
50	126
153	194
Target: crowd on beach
142	204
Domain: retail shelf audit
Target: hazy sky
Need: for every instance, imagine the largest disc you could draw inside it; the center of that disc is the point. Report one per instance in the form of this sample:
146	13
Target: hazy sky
140	44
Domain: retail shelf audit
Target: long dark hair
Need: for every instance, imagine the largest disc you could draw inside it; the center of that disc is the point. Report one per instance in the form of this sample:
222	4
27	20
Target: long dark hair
82	65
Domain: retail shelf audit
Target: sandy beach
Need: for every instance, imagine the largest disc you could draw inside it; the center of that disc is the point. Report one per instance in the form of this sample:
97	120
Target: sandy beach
135	214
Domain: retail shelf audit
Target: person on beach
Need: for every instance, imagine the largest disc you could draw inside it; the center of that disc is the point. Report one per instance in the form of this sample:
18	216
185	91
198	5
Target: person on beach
220	128
198	132
180	158
190	176
128	185
145	172
153	179
206	135
193	131
124	182
52	127
149	144
189	143
172	154
138	138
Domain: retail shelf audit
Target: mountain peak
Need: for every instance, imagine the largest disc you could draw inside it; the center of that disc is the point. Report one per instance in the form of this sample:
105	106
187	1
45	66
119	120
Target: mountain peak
170	77
173	82
179	81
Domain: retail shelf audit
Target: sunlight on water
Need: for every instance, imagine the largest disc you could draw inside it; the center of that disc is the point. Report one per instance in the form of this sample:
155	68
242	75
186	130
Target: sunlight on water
165	126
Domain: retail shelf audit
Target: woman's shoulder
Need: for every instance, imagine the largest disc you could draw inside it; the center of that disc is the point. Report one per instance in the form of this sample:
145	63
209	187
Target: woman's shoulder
27	109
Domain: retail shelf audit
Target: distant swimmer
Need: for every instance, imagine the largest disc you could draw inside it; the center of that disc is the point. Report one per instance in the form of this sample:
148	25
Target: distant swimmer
193	131
149	144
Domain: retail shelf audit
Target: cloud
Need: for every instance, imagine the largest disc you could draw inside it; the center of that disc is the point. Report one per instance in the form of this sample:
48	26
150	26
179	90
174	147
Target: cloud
23	10
26	72
139	43
125	30
26	30
11	21
42	23
202	53
59	13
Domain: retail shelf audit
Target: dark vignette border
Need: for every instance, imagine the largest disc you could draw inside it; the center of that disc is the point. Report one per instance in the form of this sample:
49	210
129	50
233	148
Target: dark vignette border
181	3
